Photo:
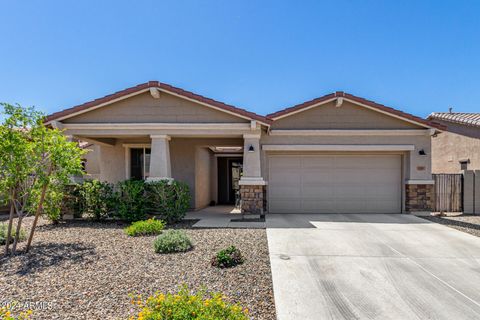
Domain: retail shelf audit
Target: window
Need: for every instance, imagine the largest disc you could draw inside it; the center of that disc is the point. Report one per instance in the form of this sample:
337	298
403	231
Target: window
464	164
140	163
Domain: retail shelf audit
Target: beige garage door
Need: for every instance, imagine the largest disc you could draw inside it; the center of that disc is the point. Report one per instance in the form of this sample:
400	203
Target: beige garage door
334	184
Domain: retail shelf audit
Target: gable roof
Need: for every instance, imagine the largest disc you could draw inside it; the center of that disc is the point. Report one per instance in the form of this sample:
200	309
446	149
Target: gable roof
123	94
469	119
357	100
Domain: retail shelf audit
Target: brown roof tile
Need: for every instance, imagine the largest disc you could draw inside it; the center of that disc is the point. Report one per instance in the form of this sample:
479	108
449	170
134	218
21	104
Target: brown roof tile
469	119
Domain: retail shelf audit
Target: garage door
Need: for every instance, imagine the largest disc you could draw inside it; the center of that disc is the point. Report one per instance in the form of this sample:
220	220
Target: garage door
334	184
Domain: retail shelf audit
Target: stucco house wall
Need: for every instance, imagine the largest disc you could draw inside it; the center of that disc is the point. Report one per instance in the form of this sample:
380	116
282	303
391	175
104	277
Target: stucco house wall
459	143
142	108
182	126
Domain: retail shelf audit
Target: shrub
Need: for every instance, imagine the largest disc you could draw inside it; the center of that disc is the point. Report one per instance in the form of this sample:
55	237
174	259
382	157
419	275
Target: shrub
172	241
131	201
145	228
169	199
93	199
7	314
4	231
229	257
184	305
98	199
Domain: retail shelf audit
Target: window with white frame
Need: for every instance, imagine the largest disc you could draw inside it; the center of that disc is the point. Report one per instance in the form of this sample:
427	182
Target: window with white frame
139	163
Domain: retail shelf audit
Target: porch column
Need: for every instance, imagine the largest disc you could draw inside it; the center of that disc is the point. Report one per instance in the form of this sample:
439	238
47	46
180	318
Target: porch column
252	185
160	166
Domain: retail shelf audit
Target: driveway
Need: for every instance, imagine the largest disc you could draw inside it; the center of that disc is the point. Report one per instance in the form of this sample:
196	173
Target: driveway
372	266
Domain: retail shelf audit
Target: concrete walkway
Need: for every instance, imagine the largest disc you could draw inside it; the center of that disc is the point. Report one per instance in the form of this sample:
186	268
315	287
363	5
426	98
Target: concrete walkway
220	217
376	266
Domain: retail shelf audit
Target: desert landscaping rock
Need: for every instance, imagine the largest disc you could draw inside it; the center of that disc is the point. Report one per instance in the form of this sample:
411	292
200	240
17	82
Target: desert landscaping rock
86	270
466	223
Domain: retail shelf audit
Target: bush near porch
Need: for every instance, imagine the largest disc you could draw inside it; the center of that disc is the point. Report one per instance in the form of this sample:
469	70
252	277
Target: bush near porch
129	200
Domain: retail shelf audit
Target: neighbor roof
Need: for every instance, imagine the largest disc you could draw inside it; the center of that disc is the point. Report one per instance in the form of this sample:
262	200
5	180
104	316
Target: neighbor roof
469	119
163	86
355	99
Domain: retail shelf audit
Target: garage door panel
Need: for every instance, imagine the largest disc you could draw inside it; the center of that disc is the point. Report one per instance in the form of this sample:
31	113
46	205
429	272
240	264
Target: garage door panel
281	192
281	205
335	184
316	205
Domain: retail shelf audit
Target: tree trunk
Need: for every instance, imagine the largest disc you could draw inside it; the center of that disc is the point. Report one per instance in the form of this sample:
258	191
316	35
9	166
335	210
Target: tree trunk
17	235
37	215
10	225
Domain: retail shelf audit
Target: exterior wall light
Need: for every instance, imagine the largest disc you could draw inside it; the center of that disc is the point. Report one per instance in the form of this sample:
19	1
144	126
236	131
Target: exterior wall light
251	149
422	152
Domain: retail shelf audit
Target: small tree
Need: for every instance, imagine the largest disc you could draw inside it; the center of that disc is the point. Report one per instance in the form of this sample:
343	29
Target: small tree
37	162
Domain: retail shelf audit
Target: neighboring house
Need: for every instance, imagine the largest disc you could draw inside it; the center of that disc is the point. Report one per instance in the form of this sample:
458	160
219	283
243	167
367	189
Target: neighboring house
458	148
337	153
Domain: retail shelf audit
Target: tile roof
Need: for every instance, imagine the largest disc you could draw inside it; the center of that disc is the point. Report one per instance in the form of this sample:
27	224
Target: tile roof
160	85
263	119
470	119
372	104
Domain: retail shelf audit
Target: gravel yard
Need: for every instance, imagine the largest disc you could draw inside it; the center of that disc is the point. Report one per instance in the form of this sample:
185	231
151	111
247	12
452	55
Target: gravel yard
87	270
466	223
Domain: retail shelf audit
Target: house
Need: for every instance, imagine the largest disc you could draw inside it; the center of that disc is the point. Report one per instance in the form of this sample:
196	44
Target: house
457	149
335	154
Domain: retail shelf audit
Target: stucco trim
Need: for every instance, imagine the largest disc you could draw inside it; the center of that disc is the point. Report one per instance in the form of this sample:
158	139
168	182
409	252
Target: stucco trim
351	132
158	126
337	147
252	181
417	181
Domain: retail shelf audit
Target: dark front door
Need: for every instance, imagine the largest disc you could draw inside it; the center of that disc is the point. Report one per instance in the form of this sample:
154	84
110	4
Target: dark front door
229	174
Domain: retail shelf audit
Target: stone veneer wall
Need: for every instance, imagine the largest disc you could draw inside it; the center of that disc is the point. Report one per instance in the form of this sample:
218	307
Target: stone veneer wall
419	197
253	198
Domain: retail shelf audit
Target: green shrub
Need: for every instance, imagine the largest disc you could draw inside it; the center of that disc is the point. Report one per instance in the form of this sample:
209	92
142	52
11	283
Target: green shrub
98	199
184	305
145	228
4	231
168	199
172	241
92	199
227	258
131	200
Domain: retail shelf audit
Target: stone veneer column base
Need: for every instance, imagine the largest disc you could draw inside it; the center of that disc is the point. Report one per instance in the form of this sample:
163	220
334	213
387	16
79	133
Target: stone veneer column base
419	197
253	198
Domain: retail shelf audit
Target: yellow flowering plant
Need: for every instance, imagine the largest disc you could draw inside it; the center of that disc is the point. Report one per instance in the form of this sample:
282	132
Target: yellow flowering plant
7	314
185	306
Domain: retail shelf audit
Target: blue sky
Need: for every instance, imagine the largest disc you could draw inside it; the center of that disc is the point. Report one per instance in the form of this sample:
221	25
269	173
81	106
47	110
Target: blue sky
417	56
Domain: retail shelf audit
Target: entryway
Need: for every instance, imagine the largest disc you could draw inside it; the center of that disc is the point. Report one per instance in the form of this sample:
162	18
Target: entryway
229	173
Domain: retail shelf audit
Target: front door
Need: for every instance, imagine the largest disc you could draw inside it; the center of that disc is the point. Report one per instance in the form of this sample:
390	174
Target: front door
229	174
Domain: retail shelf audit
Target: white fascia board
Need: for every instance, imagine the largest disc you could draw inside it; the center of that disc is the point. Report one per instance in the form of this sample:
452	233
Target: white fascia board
337	147
351	132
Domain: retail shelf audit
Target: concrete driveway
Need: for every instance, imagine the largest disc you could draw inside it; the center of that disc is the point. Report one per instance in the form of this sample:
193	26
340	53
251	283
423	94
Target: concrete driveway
372	266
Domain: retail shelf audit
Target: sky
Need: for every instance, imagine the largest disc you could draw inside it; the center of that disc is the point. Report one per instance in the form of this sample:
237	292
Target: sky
416	56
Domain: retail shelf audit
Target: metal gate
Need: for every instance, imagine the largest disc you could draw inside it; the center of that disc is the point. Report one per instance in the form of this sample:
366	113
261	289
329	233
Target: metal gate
448	192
